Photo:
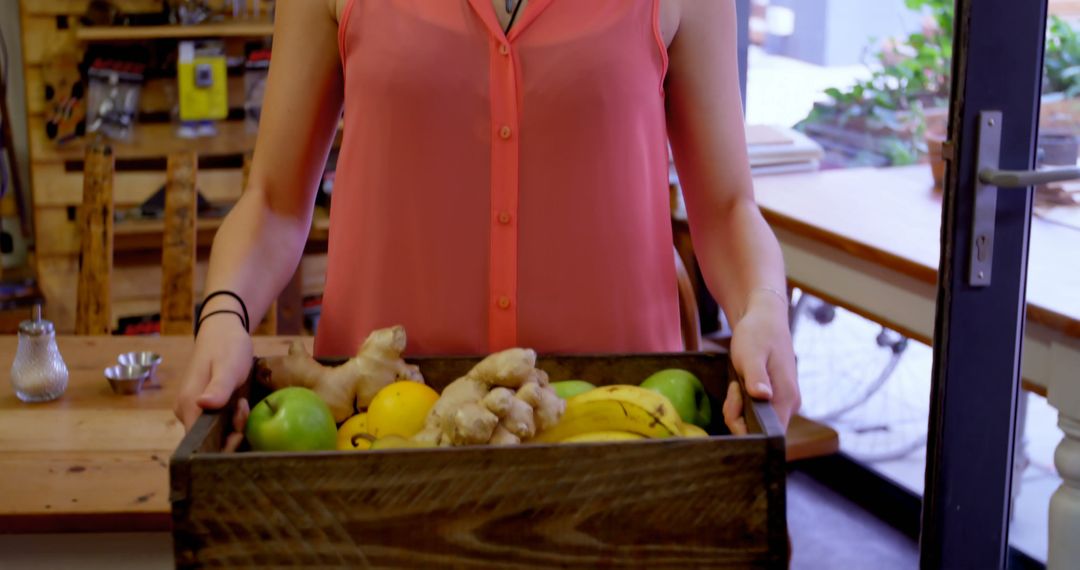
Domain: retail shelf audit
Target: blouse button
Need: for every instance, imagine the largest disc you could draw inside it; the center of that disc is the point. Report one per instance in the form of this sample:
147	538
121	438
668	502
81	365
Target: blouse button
505	132
504	218
503	302
504	49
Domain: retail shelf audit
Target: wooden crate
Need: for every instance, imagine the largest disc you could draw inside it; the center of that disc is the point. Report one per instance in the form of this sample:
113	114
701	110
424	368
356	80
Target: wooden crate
710	502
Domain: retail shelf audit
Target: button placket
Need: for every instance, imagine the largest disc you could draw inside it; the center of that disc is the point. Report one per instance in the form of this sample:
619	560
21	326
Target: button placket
502	322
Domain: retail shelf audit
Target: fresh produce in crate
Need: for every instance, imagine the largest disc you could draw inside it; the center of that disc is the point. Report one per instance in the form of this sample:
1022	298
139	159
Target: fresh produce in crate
400	409
615	408
353	434
350	386
503	400
567	389
686	393
291	419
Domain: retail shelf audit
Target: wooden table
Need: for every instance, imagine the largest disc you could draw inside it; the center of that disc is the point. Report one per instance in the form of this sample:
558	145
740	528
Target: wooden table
94	460
868	240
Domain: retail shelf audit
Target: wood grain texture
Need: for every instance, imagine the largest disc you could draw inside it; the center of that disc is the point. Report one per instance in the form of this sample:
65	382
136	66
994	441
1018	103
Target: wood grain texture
178	246
93	460
891	217
57	188
136	288
689	321
93	307
149	140
716	502
231	29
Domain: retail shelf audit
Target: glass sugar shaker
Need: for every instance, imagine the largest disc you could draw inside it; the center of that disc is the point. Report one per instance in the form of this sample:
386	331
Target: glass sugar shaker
38	373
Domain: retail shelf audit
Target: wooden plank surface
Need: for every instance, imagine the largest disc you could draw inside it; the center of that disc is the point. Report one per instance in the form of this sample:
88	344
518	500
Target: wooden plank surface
661	504
178	246
94	459
150	140
54	187
93	309
232	29
891	217
136	289
67	7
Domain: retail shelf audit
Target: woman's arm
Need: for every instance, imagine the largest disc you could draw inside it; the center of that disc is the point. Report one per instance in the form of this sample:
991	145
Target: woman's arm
737	251
259	245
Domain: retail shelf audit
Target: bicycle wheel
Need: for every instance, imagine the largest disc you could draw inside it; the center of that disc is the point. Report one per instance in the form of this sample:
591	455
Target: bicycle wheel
846	363
843	358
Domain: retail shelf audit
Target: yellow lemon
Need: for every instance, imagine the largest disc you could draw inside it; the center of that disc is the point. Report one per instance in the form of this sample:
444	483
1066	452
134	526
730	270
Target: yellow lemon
400	409
350	436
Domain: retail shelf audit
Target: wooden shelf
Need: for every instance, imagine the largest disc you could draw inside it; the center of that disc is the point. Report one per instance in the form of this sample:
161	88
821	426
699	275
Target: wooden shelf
252	29
139	235
150	140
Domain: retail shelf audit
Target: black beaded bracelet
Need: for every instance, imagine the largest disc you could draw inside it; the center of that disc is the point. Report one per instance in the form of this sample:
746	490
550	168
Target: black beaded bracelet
245	319
198	324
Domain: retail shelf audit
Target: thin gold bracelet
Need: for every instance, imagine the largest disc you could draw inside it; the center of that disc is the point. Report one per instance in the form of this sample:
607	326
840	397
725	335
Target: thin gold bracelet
782	296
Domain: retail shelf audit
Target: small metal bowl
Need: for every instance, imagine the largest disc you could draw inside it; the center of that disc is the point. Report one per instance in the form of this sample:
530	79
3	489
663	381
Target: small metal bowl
145	359
126	379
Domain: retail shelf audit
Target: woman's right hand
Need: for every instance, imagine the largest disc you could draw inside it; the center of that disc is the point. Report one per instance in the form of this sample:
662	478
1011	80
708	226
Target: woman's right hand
221	361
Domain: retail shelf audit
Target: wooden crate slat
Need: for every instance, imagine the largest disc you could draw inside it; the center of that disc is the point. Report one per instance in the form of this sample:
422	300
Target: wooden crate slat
56	188
54	233
178	246
238	29
150	140
95	257
135	288
42	40
78	7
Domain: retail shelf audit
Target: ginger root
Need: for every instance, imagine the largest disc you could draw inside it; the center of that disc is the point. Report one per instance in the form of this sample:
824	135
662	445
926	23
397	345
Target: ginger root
488	405
350	386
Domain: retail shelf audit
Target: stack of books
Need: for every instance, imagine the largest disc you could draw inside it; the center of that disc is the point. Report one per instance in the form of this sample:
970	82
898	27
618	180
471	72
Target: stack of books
781	150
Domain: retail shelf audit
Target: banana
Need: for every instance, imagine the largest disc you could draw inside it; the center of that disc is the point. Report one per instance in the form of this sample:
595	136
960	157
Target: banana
655	403
603	436
615	408
691	430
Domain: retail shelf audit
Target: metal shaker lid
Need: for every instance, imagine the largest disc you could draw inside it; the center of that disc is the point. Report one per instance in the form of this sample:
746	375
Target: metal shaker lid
37	326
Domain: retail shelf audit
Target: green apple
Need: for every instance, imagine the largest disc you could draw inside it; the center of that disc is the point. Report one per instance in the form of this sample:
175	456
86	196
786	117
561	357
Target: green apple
291	419
567	389
686	393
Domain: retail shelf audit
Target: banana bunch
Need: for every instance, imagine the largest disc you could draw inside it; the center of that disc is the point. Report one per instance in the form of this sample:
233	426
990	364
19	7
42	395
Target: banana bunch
618	413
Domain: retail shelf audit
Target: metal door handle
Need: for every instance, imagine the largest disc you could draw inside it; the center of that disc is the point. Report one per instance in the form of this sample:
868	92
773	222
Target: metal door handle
1025	178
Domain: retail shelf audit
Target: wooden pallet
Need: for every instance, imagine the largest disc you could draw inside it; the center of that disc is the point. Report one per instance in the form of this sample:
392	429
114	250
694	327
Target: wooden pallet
51	30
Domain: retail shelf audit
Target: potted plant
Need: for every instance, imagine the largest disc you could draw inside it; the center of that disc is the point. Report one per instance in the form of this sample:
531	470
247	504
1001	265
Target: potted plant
885	120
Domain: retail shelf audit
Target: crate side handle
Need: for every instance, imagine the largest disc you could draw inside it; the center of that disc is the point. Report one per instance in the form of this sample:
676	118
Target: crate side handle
759	414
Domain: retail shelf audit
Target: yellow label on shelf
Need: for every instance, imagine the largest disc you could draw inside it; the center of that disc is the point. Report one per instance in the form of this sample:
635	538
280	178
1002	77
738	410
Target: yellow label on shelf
204	92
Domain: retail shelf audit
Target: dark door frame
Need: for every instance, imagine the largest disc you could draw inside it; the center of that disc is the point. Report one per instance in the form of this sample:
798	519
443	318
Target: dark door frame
979	329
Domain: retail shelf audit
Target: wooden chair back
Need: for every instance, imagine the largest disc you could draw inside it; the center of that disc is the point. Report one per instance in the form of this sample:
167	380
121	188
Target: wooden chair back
93	307
94	295
178	245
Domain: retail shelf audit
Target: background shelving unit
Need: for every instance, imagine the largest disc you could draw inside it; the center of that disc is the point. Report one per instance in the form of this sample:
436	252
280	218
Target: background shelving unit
52	30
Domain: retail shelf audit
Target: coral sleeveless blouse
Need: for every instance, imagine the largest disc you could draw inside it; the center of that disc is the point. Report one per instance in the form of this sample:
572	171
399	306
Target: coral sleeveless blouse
496	190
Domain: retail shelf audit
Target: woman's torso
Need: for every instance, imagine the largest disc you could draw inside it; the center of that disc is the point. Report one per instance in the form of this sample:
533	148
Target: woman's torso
493	192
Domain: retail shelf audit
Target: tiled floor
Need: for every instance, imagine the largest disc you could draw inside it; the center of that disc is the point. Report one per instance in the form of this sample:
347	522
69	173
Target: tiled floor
828	531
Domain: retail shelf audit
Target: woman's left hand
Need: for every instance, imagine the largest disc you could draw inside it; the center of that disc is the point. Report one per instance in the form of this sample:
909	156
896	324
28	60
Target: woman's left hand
764	358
